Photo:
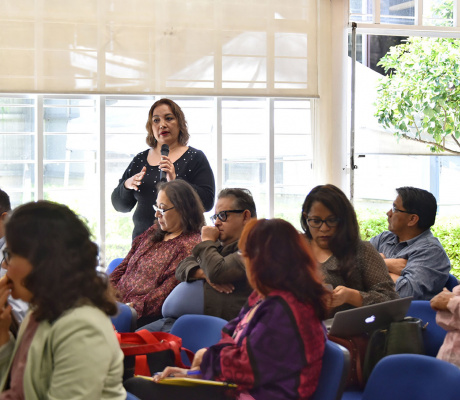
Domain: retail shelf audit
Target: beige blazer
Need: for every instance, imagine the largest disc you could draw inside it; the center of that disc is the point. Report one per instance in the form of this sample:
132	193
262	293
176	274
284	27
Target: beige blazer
76	357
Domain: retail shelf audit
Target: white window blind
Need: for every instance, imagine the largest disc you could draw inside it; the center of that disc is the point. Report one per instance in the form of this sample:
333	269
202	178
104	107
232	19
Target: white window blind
200	47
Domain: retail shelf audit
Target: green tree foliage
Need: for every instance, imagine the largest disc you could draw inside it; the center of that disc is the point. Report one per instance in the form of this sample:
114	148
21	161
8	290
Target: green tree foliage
419	98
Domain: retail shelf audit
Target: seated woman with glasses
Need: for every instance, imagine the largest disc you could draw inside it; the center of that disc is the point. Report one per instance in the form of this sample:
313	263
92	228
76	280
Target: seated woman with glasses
353	268
146	276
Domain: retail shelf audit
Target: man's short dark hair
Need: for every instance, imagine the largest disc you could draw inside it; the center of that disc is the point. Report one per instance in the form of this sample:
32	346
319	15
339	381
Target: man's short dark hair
243	199
420	202
5	204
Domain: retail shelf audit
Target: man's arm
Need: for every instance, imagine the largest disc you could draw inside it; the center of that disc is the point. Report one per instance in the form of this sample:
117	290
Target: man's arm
394	265
425	273
219	269
187	270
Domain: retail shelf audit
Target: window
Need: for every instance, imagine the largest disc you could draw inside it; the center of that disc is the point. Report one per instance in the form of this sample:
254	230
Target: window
384	163
74	149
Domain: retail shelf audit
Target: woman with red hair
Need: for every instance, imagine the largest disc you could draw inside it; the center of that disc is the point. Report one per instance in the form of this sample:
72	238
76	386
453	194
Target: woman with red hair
274	348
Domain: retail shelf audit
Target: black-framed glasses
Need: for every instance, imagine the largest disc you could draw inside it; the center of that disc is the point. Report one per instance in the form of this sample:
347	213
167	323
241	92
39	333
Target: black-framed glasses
161	210
394	209
318	223
6	256
223	215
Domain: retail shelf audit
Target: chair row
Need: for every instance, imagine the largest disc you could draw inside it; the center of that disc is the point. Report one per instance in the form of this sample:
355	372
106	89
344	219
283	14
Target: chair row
199	331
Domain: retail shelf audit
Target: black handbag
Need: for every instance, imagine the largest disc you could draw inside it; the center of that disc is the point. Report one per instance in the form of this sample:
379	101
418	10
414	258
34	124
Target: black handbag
399	337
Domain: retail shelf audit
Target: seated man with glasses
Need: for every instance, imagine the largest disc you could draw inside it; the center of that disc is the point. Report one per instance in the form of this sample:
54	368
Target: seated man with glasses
415	259
213	278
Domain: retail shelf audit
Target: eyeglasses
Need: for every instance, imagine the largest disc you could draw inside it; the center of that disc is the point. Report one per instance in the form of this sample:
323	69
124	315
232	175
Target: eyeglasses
394	209
6	256
223	215
161	210
318	223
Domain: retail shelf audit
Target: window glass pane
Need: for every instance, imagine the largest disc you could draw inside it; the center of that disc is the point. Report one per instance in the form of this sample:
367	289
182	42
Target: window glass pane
245	147
449	170
76	185
371	177
69	119
118	226
397	12
66	102
293	158
124	146
125	116
82	200
70	147
69	175
16	115
18	177
17	147
288	205
244	117
361	10
438	12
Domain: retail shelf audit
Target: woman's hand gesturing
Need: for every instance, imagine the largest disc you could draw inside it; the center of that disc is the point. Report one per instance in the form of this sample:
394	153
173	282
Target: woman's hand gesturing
136	180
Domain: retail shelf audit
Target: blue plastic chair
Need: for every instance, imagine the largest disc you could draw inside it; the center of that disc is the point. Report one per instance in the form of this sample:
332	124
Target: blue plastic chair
130	396
197	331
452	281
433	335
112	265
334	372
126	319
414	377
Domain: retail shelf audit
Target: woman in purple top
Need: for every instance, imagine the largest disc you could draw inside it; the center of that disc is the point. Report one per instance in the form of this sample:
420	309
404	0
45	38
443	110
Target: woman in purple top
274	348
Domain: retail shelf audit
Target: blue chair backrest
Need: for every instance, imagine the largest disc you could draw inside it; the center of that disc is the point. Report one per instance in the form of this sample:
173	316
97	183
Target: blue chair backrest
113	264
433	335
126	319
130	396
414	377
451	282
197	331
334	372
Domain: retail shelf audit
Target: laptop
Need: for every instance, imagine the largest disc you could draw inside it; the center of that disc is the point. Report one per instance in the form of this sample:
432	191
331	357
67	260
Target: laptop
366	319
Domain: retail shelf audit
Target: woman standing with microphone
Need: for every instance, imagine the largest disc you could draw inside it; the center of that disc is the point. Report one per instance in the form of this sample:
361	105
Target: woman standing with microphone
167	136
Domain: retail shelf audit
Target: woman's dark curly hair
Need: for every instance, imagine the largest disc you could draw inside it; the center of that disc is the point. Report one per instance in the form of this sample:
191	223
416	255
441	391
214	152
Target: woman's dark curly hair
278	257
178	114
187	203
63	257
344	243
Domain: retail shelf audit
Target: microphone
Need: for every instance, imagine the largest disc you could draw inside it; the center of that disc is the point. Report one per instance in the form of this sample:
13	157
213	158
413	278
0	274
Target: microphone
164	152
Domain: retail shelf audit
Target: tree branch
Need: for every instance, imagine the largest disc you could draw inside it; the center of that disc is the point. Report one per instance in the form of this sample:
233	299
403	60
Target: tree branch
439	146
455	139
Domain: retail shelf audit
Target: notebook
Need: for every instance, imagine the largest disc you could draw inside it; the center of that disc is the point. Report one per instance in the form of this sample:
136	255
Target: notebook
367	318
